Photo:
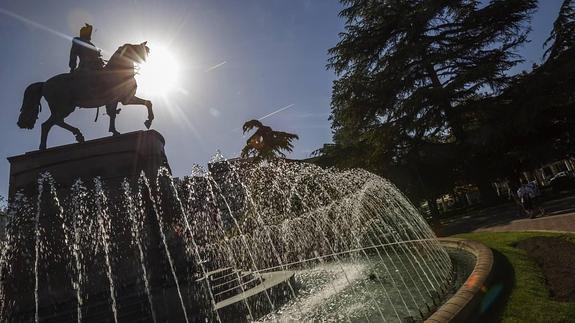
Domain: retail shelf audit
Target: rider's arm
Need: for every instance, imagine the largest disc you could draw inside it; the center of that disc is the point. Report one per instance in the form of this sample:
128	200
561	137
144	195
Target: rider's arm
73	56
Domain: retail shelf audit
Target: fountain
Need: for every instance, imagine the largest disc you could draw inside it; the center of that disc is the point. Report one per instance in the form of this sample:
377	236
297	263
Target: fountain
242	241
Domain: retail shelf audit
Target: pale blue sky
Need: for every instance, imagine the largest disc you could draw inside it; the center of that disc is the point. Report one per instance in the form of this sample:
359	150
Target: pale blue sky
273	53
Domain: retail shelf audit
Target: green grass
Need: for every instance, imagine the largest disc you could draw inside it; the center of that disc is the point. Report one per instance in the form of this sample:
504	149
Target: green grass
525	296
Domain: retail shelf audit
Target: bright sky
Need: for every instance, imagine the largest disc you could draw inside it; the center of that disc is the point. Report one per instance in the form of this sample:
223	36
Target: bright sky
239	60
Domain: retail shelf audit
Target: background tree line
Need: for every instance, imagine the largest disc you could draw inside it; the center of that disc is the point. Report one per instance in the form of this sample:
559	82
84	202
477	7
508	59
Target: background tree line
425	96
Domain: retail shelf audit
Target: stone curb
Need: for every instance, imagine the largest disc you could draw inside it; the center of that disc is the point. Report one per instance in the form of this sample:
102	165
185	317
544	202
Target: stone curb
462	304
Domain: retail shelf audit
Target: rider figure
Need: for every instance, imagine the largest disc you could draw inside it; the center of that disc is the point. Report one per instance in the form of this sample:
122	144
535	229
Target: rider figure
89	55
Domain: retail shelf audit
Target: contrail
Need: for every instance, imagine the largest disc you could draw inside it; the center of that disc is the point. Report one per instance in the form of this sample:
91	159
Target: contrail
277	111
35	24
215	66
48	29
270	114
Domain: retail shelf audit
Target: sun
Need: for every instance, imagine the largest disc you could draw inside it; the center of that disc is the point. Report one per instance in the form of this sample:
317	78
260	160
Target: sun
159	74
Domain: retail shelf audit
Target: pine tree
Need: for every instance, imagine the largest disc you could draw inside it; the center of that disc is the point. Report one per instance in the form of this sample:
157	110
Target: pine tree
413	63
563	34
407	71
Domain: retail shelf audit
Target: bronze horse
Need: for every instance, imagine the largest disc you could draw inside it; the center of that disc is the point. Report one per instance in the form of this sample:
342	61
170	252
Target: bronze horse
87	89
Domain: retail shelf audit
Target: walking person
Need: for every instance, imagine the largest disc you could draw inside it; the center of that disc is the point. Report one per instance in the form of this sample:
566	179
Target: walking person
536	198
526	194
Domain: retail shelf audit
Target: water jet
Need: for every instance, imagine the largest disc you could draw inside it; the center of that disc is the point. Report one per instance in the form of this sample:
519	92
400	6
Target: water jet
122	240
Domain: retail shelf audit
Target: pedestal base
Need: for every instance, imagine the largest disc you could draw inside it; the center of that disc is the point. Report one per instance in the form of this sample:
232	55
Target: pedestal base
111	158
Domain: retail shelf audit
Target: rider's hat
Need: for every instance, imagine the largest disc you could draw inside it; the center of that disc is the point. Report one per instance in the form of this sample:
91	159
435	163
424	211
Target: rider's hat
86	32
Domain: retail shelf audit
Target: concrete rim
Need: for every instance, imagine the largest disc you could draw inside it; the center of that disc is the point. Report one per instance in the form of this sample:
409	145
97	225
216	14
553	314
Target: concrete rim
463	303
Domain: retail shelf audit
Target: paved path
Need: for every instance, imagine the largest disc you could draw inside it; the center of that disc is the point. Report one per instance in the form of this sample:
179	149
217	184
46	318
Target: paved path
560	216
562	222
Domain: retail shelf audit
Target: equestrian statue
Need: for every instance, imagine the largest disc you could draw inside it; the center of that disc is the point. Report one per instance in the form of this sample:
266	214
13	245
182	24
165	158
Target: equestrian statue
91	84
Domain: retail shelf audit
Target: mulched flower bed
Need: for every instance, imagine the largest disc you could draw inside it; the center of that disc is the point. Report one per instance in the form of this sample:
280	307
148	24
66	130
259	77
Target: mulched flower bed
557	259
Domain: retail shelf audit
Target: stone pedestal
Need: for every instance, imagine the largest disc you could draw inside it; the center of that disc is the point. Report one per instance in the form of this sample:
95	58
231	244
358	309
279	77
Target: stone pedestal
111	158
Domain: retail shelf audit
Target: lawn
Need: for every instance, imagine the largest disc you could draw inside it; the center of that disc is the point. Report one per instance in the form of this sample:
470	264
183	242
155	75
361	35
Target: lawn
525	296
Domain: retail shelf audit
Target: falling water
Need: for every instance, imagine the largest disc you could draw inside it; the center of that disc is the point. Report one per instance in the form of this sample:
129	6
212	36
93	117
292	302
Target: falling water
237	227
37	244
79	195
264	241
104	229
156	211
47	208
136	217
199	172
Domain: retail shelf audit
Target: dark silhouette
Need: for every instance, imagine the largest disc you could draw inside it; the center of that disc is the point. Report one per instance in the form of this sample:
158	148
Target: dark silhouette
112	84
563	34
83	49
408	73
266	143
427	96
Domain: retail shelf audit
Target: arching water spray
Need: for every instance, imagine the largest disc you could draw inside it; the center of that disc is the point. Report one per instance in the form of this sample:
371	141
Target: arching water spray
104	229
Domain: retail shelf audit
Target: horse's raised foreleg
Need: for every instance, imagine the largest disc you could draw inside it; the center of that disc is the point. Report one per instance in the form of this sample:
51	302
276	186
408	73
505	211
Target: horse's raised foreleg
112	111
73	130
46	126
137	101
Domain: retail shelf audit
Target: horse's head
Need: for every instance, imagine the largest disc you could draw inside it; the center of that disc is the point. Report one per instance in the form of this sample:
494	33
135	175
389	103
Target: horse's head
137	53
143	51
128	54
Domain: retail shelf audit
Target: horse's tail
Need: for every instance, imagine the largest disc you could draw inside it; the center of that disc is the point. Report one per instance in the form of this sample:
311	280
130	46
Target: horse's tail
31	106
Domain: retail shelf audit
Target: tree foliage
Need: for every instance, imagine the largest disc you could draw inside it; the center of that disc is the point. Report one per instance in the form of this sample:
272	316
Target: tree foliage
3	206
563	34
266	143
533	121
413	63
408	70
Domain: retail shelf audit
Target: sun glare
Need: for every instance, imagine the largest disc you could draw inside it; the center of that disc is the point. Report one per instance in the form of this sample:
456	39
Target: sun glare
159	74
